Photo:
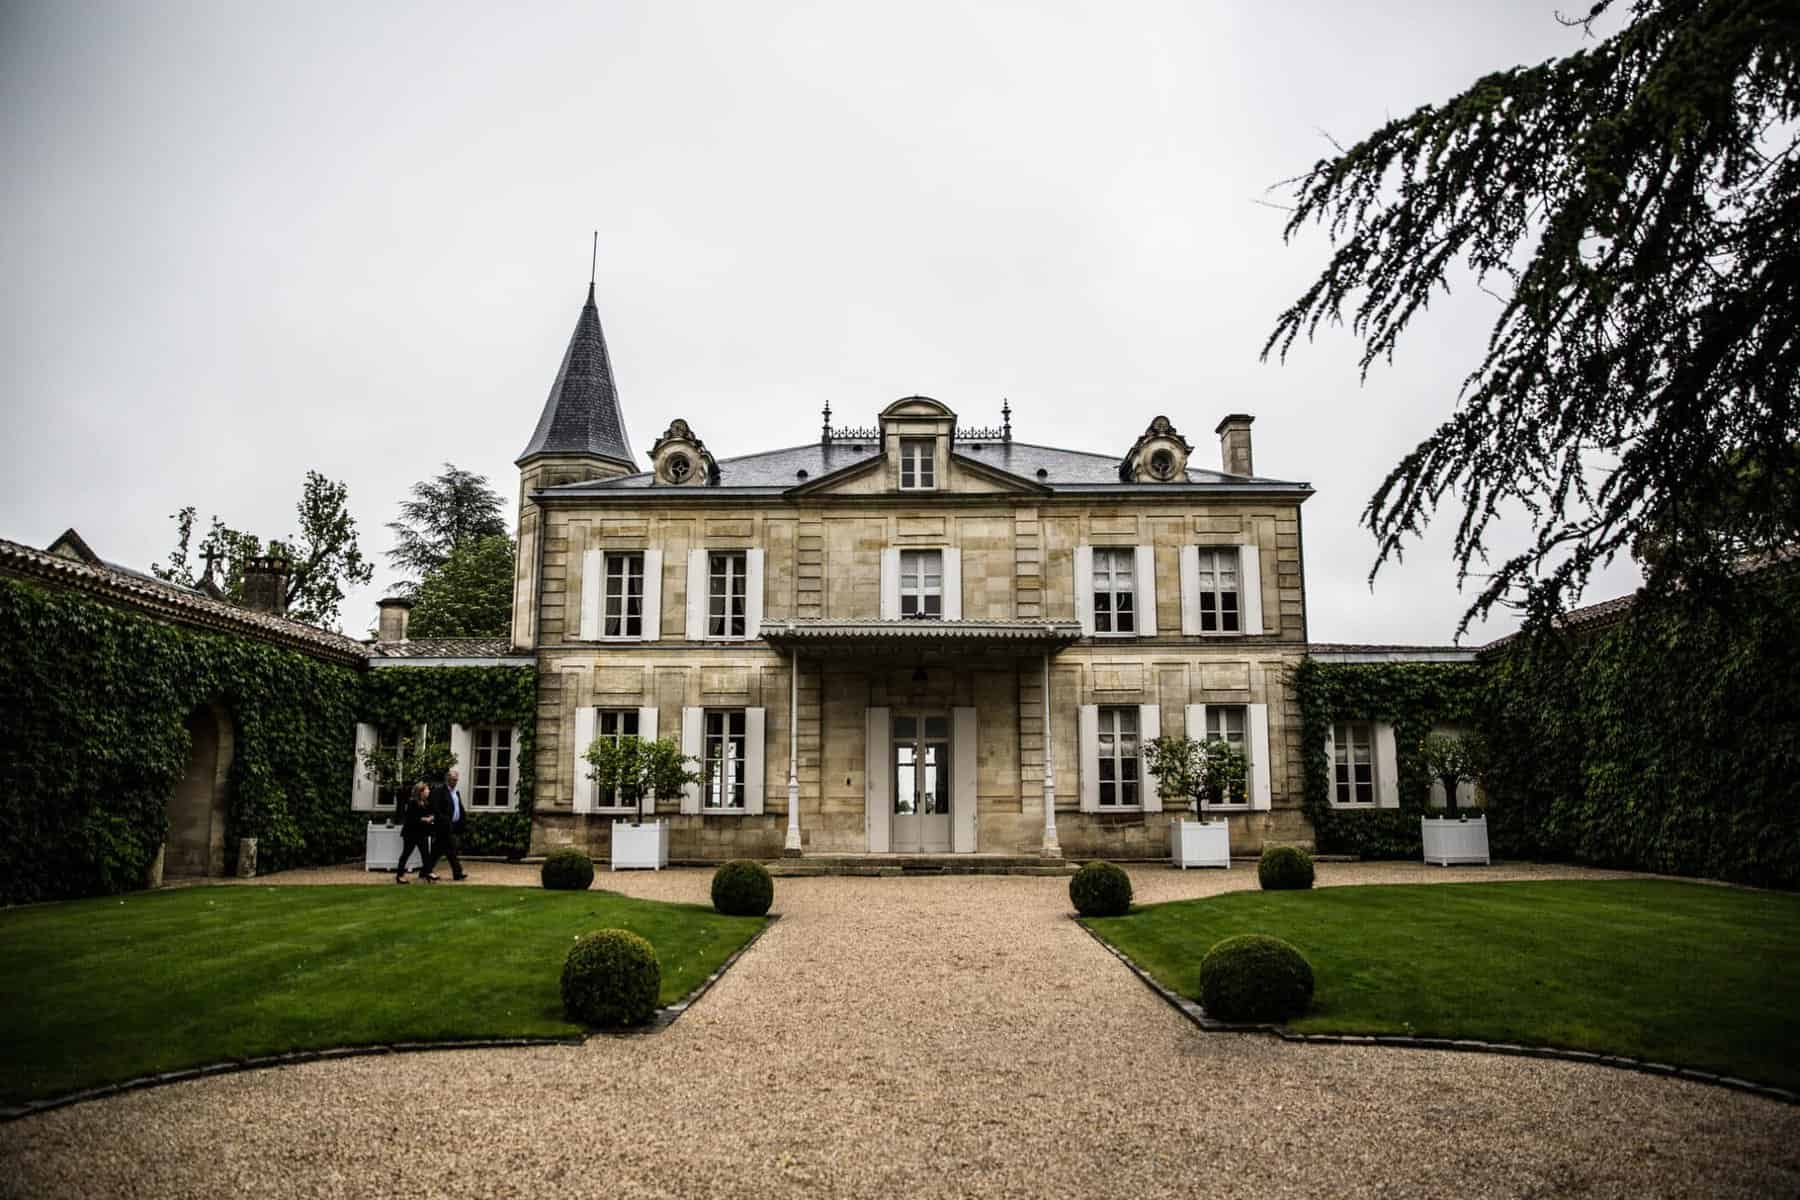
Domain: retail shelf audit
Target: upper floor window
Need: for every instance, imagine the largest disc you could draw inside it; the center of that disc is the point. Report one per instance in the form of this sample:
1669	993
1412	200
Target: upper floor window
614	724
491	772
918	463
1353	766
1226	722
1119	757
922	583
722	759
727	593
624	594
1219	591
1114	591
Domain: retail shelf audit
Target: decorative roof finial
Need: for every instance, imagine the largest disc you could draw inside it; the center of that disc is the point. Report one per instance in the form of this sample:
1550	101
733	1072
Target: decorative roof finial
1005	419
825	436
594	261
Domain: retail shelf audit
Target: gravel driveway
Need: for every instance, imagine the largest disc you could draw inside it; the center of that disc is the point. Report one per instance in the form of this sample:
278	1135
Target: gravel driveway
927	1036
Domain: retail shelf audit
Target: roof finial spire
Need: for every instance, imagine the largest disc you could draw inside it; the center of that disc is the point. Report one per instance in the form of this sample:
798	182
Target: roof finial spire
825	436
1005	419
593	264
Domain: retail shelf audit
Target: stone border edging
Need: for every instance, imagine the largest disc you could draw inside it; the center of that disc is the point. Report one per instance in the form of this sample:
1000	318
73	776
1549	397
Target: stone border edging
665	1017
1193	1012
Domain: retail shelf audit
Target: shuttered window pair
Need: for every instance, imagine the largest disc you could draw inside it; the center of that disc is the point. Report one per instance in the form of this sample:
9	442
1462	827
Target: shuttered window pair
621	595
1111	740
724	594
592	724
1361	764
921	584
487	761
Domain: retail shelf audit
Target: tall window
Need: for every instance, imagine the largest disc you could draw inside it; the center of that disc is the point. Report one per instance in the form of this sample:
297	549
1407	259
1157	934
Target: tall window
394	742
922	583
614	725
1353	772
1114	591
1219	591
624	595
1226	722
1118	757
491	774
725	594
722	763
918	462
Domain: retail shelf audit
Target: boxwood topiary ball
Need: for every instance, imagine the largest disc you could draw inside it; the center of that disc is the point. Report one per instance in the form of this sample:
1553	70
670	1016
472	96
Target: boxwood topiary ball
611	978
742	888
1100	889
1285	868
567	871
1254	977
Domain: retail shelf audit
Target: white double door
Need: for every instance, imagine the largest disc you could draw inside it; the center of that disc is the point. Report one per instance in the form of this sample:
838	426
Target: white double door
921	778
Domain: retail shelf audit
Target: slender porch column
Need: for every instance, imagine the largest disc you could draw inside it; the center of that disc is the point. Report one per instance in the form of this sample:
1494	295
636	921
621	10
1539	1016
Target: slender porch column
1051	848
793	829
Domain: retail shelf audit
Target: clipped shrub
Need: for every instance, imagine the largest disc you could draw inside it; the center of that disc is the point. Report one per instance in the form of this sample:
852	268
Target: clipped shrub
567	871
1285	869
1254	977
742	888
611	977
1100	889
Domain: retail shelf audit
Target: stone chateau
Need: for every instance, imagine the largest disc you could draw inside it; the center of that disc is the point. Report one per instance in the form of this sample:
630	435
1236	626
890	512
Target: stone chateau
907	636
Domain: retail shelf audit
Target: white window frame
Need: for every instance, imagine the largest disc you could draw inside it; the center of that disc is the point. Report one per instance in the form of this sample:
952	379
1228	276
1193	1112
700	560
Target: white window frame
607	799
1344	744
725	606
916	584
607	559
392	744
1212	564
918	464
503	740
1107	560
1217	718
1112	735
723	761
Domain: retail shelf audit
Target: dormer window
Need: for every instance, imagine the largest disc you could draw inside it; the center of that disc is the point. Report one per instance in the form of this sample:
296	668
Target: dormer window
678	467
1162	465
918	464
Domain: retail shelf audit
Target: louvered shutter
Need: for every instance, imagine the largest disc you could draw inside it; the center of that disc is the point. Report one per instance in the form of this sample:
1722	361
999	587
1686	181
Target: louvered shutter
1190	592
1084	590
965	784
1149	728
952	584
696	595
1331	763
890	584
462	746
754	726
647	733
1387	776
512	778
362	786
652	595
1258	739
753	592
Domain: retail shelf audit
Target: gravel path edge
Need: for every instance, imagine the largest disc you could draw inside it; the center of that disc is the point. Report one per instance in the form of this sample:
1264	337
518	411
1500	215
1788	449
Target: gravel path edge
1196	1014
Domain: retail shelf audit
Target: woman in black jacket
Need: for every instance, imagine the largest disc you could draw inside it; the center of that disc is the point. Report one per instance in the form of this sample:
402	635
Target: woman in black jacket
415	824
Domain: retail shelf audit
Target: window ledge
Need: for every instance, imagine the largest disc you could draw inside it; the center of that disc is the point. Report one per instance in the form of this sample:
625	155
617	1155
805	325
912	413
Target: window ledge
1370	807
1226	808
725	812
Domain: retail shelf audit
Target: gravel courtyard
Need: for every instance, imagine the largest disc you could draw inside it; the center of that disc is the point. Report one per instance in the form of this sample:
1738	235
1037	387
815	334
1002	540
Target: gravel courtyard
954	1036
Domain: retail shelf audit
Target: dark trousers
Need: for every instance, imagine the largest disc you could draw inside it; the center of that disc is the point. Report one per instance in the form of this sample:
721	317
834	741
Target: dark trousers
408	843
444	846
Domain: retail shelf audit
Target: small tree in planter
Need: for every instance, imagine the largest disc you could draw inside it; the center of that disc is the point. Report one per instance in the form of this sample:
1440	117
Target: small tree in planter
396	771
1190	770
1450	760
635	768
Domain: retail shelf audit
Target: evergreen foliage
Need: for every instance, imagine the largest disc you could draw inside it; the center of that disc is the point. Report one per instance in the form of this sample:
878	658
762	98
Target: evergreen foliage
742	888
1255	978
1100	889
611	978
470	594
452	510
1284	869
567	870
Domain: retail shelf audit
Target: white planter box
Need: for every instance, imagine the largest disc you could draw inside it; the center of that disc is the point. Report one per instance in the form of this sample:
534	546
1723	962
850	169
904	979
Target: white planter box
382	850
642	846
1454	840
1200	844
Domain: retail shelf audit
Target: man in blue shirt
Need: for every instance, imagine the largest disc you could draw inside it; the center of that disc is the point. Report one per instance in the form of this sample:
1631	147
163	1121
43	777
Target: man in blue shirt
448	809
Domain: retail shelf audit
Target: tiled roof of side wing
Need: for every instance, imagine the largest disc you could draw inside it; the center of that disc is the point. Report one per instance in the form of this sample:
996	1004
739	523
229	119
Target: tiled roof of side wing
778	470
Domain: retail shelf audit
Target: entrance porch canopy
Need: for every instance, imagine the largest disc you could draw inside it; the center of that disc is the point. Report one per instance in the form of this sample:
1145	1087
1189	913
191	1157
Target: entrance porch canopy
912	639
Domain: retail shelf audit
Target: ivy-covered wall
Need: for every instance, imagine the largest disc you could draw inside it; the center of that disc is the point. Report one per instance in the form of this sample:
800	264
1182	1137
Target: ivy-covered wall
1410	696
438	697
94	704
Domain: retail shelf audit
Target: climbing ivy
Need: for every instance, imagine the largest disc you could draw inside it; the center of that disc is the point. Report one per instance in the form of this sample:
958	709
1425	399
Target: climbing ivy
1412	697
94	739
438	697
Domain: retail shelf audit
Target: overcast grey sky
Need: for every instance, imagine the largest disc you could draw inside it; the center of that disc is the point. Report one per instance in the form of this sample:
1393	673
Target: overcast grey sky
245	241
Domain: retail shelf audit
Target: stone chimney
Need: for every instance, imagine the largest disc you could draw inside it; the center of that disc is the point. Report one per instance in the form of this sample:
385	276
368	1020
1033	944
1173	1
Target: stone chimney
265	584
1234	444
394	612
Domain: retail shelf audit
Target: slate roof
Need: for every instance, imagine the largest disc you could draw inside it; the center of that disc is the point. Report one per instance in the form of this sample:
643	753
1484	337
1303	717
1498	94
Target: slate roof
449	647
775	471
582	414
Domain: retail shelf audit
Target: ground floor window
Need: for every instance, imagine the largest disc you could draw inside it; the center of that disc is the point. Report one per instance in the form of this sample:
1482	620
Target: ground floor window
491	772
722	763
1353	766
1119	757
1227	722
401	745
615	724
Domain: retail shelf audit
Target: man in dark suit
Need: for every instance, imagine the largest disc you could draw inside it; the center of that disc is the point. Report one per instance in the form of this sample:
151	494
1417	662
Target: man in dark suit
447	807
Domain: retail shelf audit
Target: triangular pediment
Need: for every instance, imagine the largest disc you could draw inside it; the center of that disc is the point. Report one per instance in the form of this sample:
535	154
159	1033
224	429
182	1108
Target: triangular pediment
968	476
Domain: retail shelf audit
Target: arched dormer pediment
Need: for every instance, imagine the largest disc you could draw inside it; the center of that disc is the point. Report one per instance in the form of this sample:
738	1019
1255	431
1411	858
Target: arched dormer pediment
918	406
680	459
1160	455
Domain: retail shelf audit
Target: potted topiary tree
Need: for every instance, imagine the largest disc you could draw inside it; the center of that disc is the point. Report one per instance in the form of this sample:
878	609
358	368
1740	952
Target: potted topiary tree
636	768
1189	770
396	769
1455	837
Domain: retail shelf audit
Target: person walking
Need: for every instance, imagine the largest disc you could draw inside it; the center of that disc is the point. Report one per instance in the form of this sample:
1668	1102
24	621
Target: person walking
415	823
447	812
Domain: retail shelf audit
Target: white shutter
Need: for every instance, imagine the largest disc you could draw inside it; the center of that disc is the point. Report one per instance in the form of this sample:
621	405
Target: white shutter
876	800
1250	614
1084	589
965	785
952	584
691	734
583	794
890	584
1258	740
1149	726
652	595
1331	763
1144	583
754	726
1190	592
753	592
462	745
1387	778
696	595
1195	719
1087	721
590	596
647	733
362	788
512	790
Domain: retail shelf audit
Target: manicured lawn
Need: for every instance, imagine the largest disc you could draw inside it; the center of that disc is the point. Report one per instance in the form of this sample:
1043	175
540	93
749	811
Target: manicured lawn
1672	972
96	991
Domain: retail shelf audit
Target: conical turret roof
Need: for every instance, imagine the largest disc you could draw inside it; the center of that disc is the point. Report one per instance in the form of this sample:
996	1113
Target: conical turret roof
582	415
